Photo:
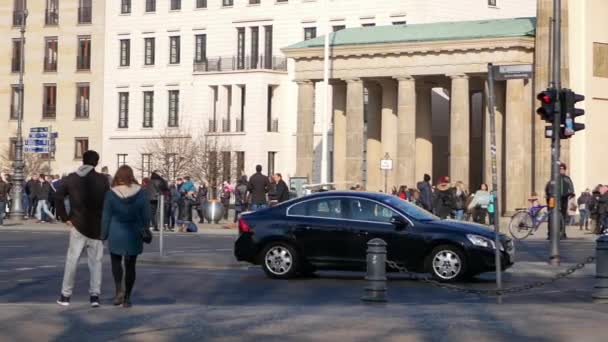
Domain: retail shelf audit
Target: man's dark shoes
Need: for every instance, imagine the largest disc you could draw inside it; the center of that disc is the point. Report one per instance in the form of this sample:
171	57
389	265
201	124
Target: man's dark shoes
94	301
63	300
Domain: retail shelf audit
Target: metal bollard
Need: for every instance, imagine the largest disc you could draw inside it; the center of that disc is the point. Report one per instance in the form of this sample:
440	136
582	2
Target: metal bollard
600	292
375	291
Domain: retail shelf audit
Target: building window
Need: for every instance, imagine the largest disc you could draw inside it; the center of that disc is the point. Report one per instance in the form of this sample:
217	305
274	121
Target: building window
269	96
492	3
125	52
148	109
368	25
12	148
174	52
240	48
268	47
600	59
15	100
200	48
123	110
255	46
227	3
240	164
201	3
49	104
16	59
125	6
337	28
50	54
150	6
310	33
83	60
51	14
396	23
80	147
254	2
271	162
121	159
282	0
149	51
173	108
19	6
85	11
176	5
146	165
226	166
82	100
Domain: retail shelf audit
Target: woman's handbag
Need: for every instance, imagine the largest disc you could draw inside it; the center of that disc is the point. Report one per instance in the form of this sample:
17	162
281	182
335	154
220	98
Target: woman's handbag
146	235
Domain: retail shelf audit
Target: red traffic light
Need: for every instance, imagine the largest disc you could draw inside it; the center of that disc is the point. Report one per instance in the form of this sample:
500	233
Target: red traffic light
544	98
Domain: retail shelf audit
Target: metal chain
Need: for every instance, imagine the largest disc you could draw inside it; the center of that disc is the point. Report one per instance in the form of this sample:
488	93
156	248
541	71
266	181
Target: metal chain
490	292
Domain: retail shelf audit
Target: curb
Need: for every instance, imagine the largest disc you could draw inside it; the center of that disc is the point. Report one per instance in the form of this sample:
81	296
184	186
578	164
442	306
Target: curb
188	263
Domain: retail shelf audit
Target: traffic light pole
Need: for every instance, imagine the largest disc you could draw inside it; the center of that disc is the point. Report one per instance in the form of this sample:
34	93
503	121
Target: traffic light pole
554	257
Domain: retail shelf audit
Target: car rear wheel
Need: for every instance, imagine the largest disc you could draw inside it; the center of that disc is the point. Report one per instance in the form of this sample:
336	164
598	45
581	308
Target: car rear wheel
447	263
280	260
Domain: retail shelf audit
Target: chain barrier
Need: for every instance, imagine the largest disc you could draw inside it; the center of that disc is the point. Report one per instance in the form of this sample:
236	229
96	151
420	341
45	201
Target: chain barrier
490	292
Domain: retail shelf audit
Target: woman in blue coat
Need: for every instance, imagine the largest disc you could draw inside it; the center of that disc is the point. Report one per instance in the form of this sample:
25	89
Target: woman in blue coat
126	213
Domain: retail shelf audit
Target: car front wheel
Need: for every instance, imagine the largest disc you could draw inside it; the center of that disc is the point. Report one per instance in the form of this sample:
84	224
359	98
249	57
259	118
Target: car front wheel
447	263
280	261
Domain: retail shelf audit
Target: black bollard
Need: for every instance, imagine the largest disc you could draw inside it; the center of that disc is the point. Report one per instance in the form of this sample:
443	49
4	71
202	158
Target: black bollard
600	292
375	291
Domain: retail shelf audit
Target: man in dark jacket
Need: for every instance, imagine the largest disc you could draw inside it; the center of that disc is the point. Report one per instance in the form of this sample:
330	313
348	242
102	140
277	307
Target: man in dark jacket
5	189
281	190
567	190
258	188
602	209
584	205
240	197
426	193
42	208
157	187
86	190
33	188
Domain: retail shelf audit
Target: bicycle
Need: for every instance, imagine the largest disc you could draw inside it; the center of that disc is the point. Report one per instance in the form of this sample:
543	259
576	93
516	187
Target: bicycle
526	222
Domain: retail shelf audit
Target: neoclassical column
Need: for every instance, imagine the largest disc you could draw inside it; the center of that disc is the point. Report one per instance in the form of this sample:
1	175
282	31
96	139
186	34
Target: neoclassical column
339	133
424	132
515	136
390	127
375	137
406	155
459	128
354	131
305	130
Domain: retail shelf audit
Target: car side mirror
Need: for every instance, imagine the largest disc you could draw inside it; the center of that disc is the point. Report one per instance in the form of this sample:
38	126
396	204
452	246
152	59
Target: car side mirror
399	222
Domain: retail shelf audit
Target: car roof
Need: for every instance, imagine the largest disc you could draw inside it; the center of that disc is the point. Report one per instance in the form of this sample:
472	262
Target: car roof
379	196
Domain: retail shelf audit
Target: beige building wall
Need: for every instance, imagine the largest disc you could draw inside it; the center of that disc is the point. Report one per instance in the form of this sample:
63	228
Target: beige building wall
66	77
589	76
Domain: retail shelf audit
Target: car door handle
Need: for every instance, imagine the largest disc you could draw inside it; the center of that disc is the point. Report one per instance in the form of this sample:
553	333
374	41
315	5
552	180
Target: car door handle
363	232
303	227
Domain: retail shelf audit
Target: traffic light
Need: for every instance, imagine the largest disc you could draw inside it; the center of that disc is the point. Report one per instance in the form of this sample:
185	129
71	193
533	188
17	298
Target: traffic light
569	113
547	100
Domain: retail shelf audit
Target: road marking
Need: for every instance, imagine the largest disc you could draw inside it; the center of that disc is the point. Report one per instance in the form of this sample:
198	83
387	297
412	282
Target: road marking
24	269
47	266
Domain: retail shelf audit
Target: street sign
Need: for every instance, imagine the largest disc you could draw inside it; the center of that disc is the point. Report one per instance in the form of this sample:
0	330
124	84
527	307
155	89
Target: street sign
39	129
36	149
512	72
37	142
386	164
39	135
55	135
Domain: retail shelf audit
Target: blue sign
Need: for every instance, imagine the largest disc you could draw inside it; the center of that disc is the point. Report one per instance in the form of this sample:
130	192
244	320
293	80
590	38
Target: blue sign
39	129
36	142
39	135
55	135
36	149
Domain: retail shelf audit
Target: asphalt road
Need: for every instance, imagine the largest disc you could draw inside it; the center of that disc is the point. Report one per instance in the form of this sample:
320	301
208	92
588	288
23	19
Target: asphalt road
240	303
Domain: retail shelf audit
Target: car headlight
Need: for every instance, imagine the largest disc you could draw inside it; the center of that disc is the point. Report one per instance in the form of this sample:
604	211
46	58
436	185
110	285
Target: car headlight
481	241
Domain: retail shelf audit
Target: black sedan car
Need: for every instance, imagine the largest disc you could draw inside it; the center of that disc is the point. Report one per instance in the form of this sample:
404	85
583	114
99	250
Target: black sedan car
330	231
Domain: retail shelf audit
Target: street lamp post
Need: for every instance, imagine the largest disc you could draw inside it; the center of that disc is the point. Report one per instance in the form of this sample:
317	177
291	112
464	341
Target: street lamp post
17	211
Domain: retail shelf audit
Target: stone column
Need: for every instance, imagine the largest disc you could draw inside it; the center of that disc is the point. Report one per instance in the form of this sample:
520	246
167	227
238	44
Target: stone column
424	133
390	129
354	131
515	124
339	130
406	155
459	129
375	138
305	130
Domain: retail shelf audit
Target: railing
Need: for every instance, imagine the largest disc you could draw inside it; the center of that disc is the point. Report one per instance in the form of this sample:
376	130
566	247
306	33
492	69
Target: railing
235	63
212	126
84	14
51	17
225	125
83	63
240	126
15	65
274	125
50	65
49	111
82	110
18	18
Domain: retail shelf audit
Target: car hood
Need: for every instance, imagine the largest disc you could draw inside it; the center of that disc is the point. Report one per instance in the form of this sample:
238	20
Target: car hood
464	227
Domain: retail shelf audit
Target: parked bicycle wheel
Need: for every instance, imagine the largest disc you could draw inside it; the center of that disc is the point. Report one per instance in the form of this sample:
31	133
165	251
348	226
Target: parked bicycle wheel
521	225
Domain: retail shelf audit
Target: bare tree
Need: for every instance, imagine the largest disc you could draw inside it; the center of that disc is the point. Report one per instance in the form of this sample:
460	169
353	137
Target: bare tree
215	162
34	163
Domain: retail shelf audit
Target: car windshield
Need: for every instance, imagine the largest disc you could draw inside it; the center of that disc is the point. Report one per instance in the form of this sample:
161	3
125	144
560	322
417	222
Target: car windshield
410	210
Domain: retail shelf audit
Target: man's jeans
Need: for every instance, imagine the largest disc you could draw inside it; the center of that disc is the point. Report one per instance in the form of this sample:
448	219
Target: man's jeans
43	206
94	249
2	212
256	207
